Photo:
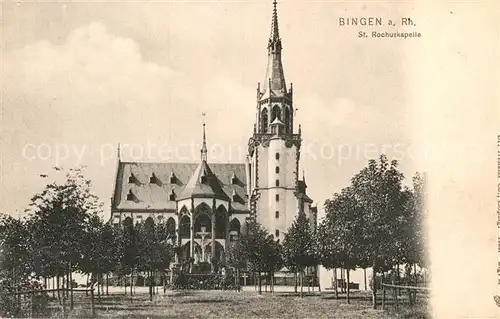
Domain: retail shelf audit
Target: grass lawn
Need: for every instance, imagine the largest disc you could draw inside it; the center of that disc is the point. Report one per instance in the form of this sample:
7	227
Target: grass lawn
247	304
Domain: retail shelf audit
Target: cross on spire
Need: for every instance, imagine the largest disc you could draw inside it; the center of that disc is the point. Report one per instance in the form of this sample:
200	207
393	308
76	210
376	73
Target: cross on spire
204	144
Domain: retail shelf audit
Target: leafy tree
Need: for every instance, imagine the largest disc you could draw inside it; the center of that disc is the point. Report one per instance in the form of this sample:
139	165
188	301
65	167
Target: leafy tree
299	248
255	251
419	248
15	251
412	228
327	250
272	256
110	242
59	217
130	250
378	190
342	231
154	250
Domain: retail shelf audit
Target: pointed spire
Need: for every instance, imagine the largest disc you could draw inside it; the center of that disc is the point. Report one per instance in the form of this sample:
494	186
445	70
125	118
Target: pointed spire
204	145
274	45
275	79
275	34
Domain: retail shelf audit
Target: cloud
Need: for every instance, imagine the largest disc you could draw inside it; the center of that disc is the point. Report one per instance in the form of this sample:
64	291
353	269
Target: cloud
96	89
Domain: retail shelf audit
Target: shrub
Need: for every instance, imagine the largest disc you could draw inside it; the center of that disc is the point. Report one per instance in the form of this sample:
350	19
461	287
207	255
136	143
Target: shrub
182	281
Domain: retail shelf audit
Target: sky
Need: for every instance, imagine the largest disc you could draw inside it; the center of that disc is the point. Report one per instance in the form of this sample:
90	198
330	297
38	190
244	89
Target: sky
80	78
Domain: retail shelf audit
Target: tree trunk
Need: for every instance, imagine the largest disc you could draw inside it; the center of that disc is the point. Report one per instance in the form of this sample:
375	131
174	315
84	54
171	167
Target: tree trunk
131	281
255	282
374	290
87	286
260	283
53	286
364	274
318	279
266	277
336	283
236	279
58	292
107	284
295	278
398	277
347	288
272	281
150	285
71	287
67	285
301	275
342	280
308	278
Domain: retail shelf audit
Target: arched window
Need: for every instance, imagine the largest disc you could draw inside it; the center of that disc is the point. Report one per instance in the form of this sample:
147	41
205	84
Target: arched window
265	120
235	225
276	113
287	119
202	221
220	224
185	227
171	226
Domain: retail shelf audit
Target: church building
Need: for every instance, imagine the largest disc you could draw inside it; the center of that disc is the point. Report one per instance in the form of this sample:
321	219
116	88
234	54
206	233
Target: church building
208	203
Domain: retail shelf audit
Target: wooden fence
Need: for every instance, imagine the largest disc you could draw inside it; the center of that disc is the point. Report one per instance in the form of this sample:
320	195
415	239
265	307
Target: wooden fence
396	289
64	291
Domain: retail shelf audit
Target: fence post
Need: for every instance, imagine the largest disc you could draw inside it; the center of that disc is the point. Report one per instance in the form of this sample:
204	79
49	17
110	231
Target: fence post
92	302
64	301
383	297
396	296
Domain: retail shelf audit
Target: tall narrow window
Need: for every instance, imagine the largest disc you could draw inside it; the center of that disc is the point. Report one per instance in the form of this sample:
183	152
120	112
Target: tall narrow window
277	197
277	156
131	178
265	121
277	169
277	183
287	119
277	214
276	113
277	232
130	195
173	178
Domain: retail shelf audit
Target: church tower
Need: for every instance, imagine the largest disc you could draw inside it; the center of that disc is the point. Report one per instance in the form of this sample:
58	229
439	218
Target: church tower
274	149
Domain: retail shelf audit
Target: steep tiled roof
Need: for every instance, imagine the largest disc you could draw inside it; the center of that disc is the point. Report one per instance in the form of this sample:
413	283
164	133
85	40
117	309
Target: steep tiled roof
153	192
203	183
